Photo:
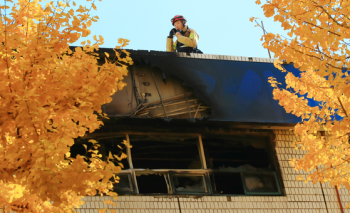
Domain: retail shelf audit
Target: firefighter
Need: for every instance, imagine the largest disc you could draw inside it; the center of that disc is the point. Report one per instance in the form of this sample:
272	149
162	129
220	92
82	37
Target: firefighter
187	38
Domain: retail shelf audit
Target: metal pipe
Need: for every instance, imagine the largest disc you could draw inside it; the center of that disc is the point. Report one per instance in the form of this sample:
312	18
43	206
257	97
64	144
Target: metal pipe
324	197
160	97
339	201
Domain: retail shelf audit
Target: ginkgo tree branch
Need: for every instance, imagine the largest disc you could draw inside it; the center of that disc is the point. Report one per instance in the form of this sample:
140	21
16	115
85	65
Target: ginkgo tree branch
334	167
342	107
320	50
40	98
313	56
330	16
322	28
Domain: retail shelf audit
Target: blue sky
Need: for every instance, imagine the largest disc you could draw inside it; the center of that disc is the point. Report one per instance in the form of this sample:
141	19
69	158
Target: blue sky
223	25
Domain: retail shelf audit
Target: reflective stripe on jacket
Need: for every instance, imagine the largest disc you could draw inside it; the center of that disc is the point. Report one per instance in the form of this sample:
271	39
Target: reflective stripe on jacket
185	43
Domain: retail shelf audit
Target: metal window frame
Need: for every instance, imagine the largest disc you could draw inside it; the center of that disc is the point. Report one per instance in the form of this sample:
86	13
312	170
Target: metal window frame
201	152
131	166
169	173
217	171
203	173
247	192
156	171
131	189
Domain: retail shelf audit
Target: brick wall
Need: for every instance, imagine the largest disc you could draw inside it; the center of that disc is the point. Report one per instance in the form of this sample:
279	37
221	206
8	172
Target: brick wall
300	197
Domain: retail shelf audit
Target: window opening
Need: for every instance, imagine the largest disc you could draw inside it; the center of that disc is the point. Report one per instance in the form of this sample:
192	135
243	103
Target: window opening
189	183
114	146
260	183
152	184
236	153
174	164
124	181
165	152
227	183
125	184
104	146
230	156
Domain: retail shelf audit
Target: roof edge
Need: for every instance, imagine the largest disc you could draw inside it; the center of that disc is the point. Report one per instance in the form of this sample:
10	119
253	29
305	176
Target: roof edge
185	55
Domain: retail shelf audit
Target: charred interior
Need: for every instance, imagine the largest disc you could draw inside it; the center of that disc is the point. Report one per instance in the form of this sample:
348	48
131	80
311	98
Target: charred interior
197	126
149	94
192	164
164	152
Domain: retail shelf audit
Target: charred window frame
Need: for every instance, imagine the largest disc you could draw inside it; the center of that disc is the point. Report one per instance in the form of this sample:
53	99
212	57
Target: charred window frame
200	178
127	176
241	165
129	180
189	182
265	183
168	164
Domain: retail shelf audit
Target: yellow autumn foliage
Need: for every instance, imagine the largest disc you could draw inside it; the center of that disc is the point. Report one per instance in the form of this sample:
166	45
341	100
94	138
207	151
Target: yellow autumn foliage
318	45
50	95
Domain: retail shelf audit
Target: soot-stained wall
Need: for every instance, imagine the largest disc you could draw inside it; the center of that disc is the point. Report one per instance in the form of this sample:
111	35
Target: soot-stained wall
235	90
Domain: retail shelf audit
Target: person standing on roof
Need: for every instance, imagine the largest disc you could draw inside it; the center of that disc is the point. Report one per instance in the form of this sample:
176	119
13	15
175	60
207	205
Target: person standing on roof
187	38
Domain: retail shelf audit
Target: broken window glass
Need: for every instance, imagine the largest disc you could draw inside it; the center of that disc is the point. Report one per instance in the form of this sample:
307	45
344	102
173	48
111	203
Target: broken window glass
227	183
260	183
152	183
236	153
125	184
171	164
165	152
189	183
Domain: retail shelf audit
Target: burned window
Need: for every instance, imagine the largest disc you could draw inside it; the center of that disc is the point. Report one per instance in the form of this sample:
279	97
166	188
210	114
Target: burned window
152	183
187	164
229	157
112	145
165	152
116	147
105	146
152	154
227	183
184	183
124	181
125	184
236	153
260	183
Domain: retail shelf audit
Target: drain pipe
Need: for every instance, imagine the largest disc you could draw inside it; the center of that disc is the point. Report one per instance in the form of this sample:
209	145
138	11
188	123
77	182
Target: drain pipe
336	188
339	201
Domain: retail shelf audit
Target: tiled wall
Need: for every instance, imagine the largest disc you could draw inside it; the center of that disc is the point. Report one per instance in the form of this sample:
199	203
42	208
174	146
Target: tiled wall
301	197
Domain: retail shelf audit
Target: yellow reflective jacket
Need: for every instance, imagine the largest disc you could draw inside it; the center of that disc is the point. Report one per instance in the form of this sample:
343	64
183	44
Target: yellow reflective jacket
190	41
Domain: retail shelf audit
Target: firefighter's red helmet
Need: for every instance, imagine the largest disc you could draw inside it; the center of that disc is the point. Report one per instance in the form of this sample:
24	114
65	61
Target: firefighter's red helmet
177	18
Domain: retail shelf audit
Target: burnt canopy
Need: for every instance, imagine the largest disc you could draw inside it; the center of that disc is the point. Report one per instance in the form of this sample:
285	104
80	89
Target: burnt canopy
235	90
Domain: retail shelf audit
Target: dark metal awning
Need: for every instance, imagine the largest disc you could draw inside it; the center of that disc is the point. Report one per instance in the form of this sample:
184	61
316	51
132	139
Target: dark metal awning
235	88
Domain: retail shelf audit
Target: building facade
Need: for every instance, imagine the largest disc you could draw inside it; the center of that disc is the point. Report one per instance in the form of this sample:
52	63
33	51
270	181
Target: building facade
206	136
